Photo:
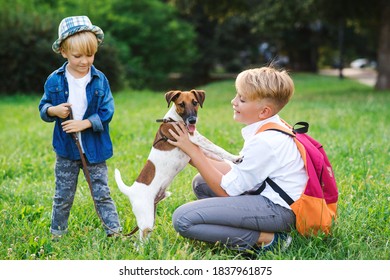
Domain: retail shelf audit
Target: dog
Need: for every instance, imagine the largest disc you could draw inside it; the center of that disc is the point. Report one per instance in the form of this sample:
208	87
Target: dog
165	161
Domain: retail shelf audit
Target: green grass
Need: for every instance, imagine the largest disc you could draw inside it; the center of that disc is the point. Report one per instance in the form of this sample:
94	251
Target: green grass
350	119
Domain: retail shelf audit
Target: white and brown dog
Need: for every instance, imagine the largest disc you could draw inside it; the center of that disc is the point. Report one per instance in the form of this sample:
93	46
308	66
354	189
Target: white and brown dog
165	161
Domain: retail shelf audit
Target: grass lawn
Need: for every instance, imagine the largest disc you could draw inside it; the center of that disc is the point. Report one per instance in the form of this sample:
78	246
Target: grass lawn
351	120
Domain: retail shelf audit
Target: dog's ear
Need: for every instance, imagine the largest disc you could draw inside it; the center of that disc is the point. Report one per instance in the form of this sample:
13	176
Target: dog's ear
171	96
200	96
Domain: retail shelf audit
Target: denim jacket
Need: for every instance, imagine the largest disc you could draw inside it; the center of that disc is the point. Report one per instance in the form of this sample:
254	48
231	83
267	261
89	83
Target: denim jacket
95	140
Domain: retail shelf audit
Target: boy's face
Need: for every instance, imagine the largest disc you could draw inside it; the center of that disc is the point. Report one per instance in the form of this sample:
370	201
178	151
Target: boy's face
249	111
78	64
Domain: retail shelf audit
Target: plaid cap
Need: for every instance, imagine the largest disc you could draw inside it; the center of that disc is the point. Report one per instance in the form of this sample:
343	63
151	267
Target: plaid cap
72	25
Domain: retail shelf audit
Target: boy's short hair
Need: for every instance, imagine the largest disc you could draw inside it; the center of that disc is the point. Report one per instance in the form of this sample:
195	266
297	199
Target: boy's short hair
82	42
266	83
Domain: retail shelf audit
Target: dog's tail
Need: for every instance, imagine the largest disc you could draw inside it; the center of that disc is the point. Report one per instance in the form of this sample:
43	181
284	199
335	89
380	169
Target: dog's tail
121	185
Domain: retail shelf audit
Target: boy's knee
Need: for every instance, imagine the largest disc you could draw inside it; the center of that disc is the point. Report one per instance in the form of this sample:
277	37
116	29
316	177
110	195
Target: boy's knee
200	188
180	222
196	181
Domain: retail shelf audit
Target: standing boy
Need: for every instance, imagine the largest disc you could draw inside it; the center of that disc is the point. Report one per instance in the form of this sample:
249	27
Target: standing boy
79	85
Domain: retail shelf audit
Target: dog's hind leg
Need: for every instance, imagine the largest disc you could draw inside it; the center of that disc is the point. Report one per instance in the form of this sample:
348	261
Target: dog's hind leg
142	203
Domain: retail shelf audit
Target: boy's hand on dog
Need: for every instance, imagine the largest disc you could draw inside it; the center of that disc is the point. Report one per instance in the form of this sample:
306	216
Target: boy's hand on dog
182	139
180	134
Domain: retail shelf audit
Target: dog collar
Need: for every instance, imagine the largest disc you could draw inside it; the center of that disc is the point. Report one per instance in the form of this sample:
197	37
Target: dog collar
165	120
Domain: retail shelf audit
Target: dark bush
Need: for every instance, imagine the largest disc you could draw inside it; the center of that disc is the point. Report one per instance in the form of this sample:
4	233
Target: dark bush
26	57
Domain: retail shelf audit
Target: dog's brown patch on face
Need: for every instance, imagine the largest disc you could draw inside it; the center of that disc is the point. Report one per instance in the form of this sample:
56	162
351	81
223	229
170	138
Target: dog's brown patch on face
174	96
187	104
147	174
160	141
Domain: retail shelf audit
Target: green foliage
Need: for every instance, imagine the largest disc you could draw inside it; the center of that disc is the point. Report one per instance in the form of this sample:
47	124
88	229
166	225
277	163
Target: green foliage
158	42
25	49
349	119
144	41
225	38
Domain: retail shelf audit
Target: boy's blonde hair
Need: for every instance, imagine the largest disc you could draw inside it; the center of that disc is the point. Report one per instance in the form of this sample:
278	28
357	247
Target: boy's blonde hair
266	83
82	42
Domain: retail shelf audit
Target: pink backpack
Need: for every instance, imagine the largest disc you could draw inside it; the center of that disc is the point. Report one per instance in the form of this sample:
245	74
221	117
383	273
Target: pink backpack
316	208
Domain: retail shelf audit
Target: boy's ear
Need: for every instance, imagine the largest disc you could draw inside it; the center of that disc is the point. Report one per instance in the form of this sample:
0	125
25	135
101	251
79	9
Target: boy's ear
266	112
63	53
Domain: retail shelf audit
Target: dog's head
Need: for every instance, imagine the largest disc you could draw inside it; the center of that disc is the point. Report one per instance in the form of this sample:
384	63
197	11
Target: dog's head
187	104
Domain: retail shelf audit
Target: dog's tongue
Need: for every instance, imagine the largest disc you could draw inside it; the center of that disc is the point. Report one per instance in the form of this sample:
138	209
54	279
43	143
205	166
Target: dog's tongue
191	128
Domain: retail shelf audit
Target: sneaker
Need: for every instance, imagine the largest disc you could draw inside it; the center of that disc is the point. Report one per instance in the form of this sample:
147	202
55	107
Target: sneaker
113	235
281	240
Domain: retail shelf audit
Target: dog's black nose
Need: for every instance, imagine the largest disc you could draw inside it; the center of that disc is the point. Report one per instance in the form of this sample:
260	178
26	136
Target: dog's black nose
192	120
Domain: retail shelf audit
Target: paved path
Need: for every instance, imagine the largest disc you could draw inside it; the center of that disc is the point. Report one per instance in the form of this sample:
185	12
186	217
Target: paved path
365	76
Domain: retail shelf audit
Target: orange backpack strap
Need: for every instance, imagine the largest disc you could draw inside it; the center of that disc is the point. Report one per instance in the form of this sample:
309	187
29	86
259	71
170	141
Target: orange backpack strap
277	127
288	131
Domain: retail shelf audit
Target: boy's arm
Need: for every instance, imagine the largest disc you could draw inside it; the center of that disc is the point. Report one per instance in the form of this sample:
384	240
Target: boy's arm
105	111
44	105
48	112
211	171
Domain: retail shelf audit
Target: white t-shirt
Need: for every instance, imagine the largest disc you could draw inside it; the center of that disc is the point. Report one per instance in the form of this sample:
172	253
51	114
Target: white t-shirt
267	154
78	97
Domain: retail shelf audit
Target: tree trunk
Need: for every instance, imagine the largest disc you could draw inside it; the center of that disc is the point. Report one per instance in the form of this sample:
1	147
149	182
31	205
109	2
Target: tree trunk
383	80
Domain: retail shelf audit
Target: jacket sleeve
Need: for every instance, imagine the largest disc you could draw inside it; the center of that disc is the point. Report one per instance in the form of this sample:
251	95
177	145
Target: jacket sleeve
44	104
105	111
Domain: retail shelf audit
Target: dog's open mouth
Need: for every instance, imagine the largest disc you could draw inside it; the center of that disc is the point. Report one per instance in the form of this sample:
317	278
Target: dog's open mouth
191	127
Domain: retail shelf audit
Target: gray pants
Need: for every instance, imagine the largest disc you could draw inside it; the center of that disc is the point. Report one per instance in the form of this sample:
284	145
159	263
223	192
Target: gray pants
234	221
67	172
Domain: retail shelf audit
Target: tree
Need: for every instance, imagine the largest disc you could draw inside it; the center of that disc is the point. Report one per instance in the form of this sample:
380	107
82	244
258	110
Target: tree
383	81
224	36
371	18
26	57
301	28
153	40
293	26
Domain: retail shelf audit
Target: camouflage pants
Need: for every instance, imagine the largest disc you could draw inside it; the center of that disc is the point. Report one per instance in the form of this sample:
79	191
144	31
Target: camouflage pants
66	172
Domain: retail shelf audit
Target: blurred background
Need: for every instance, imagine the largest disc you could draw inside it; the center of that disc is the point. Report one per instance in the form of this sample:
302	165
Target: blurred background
160	45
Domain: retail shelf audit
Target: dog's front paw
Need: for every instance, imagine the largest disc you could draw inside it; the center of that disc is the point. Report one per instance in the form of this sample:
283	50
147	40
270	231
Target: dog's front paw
238	159
167	194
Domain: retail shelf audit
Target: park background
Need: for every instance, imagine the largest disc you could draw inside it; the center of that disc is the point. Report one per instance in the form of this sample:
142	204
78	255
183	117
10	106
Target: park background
153	46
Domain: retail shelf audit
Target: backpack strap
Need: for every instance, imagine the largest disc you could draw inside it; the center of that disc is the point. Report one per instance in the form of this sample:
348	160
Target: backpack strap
304	127
280	191
256	192
277	127
291	131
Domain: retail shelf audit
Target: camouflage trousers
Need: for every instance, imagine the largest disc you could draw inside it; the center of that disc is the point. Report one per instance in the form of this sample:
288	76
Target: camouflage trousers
66	173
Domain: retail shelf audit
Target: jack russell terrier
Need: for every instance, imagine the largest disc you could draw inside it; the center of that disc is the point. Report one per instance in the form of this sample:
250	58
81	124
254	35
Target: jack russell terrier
165	161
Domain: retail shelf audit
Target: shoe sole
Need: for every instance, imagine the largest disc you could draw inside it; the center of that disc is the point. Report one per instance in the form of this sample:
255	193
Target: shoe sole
286	243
